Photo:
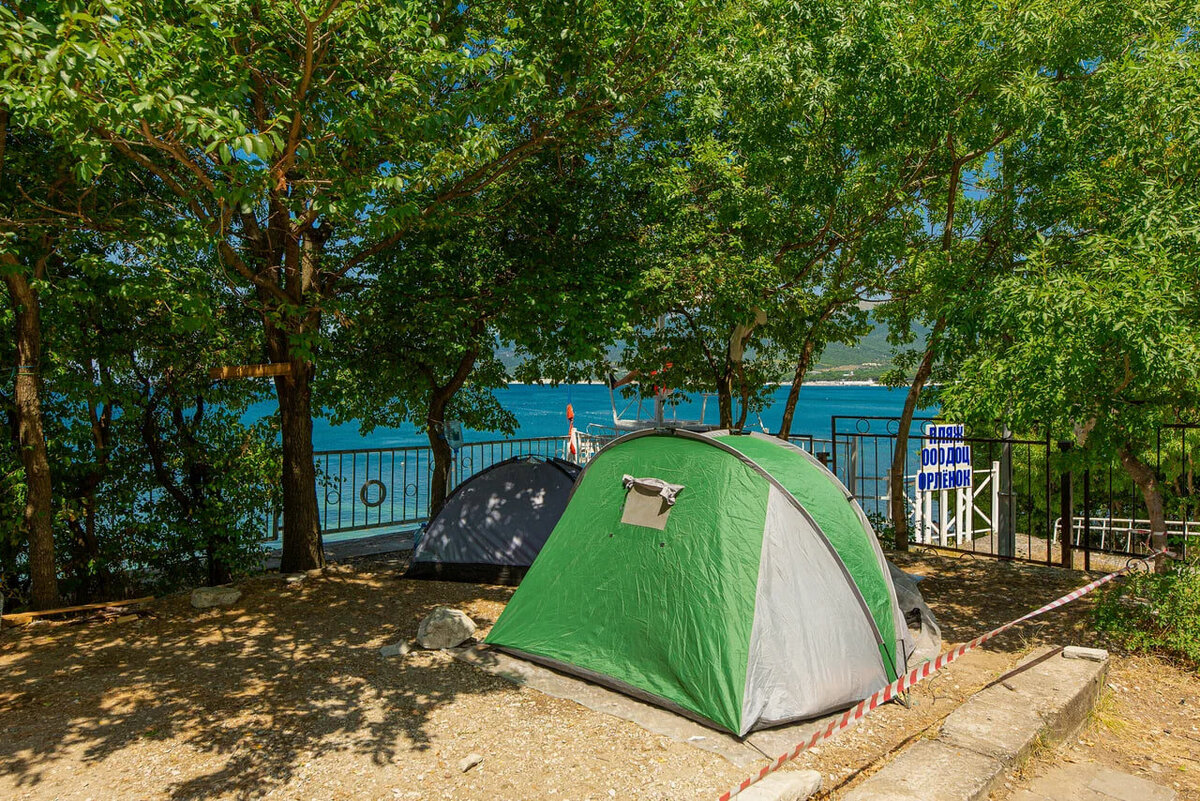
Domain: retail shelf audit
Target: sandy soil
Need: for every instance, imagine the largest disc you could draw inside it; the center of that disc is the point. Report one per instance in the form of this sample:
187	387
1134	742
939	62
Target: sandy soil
285	696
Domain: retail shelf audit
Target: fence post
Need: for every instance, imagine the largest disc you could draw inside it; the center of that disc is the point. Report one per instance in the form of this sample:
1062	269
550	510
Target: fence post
852	473
1087	519
1006	544
1066	512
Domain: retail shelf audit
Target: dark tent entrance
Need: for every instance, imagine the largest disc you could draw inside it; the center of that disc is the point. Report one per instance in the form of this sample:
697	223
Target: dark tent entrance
495	523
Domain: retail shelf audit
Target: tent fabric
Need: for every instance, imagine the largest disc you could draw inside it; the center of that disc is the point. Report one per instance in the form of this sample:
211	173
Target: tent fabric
494	524
919	618
760	601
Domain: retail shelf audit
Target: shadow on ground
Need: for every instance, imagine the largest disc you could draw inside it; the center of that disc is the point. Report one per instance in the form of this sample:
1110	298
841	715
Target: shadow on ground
292	673
289	673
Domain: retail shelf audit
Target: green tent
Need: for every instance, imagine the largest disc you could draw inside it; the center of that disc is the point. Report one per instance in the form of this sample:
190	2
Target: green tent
727	577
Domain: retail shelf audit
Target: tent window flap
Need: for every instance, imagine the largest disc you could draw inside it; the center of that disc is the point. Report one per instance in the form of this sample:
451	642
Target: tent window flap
648	501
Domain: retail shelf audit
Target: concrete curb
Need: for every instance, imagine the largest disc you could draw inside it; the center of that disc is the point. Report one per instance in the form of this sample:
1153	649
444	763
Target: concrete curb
993	732
787	785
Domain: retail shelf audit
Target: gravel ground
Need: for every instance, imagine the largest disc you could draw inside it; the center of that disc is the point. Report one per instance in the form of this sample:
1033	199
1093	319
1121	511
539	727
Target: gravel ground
285	696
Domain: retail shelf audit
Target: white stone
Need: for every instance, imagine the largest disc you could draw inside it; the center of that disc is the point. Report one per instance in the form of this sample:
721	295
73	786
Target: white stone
469	761
206	597
445	628
1090	654
397	649
786	785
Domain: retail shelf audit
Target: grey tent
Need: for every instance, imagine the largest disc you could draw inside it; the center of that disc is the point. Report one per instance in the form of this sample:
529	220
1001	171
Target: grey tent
493	525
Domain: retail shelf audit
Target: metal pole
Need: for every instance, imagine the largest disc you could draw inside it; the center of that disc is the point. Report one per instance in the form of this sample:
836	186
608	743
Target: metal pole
1006	545
1066	509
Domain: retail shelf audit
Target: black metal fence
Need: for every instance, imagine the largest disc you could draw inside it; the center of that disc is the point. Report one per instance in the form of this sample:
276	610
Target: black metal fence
386	489
1023	489
380	489
1025	495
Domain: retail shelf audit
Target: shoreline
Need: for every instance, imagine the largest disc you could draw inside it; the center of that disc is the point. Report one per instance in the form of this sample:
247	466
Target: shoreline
848	382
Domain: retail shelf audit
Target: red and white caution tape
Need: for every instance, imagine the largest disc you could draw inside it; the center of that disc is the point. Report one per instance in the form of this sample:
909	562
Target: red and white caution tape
919	674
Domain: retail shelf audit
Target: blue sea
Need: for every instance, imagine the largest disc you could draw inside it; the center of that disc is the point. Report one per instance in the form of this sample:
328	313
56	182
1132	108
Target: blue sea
541	412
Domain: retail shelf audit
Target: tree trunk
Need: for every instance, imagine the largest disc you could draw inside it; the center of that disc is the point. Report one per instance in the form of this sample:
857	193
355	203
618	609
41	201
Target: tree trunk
789	408
302	546
744	411
27	403
900	456
725	401
443	459
1151	489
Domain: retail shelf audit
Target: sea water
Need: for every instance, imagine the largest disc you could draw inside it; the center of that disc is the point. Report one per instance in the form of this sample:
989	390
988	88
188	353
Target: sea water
541	411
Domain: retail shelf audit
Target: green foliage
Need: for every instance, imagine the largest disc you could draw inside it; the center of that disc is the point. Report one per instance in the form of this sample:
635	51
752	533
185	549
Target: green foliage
1157	613
1093	332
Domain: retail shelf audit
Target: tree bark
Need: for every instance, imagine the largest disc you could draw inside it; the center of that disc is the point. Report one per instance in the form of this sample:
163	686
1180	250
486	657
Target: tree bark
745	408
435	422
789	407
302	546
1151	489
27	401
899	466
443	458
725	401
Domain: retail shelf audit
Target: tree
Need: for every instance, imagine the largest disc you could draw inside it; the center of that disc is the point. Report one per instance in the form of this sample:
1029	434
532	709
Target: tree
790	166
1093	334
992	83
305	139
541	269
35	183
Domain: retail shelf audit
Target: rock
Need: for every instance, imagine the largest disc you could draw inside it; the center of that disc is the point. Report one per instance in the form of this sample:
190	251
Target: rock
398	649
1090	654
470	760
206	597
445	628
293	578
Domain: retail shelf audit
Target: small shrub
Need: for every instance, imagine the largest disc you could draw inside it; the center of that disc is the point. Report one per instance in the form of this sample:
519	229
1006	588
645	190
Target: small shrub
1155	613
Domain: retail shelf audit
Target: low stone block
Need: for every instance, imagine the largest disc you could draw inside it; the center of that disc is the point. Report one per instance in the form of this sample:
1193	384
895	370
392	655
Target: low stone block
1062	691
786	785
207	597
931	771
1090	654
998	722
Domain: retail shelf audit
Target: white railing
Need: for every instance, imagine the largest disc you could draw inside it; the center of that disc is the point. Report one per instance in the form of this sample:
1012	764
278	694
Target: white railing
1129	532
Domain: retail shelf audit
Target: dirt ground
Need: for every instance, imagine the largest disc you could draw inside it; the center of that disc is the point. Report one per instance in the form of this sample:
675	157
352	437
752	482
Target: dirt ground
284	695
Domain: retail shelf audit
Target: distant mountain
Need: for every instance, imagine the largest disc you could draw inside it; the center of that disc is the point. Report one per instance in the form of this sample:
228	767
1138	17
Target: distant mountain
867	359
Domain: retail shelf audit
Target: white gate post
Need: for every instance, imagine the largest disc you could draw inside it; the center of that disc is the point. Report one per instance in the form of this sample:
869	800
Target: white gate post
995	516
966	504
942	516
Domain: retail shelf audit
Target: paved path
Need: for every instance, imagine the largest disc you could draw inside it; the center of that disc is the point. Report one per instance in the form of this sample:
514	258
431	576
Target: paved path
1080	782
